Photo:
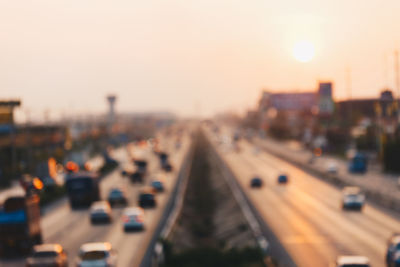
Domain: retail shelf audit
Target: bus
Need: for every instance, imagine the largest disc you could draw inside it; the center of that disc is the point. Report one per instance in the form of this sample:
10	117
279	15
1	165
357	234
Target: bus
82	189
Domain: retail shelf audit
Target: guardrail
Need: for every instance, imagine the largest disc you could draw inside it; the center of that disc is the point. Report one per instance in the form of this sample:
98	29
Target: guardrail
154	254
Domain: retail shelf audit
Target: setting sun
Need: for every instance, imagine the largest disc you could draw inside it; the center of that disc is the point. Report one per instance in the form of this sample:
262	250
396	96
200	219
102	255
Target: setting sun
303	51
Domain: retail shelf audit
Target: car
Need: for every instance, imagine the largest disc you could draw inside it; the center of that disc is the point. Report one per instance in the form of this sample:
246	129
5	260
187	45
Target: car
117	196
147	198
352	261
158	186
283	179
352	198
133	218
96	254
256	182
100	212
137	177
393	250
332	168
47	255
167	167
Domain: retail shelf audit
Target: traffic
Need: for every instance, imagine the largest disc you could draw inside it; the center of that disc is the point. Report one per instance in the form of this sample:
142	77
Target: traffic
317	223
102	216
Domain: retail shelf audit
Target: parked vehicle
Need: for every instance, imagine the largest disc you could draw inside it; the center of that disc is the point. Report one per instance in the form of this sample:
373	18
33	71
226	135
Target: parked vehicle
48	255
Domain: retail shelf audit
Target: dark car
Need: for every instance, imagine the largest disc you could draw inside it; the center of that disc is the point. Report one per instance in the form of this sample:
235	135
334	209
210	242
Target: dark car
393	251
147	198
167	167
137	177
100	212
283	179
117	196
256	182
47	255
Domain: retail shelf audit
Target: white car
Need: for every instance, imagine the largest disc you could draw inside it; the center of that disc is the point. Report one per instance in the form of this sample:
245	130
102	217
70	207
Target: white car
100	212
98	254
352	261
352	198
332	168
133	219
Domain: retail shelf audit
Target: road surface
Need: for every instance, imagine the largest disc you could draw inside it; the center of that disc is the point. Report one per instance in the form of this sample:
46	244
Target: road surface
306	214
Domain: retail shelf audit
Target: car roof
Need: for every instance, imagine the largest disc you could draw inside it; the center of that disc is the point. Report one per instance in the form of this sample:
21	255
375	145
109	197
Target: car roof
96	246
133	210
99	204
351	190
343	260
147	190
395	238
48	247
116	189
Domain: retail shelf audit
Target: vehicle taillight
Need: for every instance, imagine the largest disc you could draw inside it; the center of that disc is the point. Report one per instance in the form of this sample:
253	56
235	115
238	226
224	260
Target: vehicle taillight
139	218
125	218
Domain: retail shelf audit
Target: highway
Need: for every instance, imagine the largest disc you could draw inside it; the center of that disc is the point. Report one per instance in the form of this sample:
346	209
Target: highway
72	228
306	215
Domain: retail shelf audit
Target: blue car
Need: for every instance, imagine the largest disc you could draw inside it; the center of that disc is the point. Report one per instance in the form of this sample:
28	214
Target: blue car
158	186
283	179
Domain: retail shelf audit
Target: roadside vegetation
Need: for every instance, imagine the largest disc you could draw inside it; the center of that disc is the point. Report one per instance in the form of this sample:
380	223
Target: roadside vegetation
199	243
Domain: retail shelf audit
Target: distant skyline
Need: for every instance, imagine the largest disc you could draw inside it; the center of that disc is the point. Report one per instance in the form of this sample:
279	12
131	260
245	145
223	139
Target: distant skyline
189	57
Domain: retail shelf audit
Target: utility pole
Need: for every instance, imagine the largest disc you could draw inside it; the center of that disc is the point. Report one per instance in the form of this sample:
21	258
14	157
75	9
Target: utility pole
397	82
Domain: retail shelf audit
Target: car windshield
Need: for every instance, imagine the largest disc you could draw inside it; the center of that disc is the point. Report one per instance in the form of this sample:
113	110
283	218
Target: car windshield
115	193
45	254
146	196
93	255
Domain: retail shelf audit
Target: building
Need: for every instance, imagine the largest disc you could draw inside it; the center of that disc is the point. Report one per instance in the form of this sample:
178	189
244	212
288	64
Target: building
298	107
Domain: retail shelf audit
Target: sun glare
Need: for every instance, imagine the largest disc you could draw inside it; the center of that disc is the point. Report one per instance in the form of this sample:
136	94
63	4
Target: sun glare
303	51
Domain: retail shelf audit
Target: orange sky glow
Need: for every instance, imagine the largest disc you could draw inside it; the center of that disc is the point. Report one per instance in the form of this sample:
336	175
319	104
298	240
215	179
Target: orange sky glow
65	56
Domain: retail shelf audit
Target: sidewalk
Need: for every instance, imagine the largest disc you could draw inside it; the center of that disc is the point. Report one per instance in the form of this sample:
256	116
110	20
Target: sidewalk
378	186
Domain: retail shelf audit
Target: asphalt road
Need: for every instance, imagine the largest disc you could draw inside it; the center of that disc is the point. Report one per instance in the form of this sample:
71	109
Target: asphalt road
306	214
72	228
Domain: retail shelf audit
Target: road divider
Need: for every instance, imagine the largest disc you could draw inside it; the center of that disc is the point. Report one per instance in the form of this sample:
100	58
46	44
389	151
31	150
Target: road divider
154	252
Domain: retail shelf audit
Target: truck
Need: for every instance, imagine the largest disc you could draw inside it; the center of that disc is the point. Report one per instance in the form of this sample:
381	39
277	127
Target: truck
19	225
358	163
83	188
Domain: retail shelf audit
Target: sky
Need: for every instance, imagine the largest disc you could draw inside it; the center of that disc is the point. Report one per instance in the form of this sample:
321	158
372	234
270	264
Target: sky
190	57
